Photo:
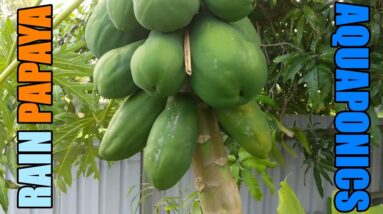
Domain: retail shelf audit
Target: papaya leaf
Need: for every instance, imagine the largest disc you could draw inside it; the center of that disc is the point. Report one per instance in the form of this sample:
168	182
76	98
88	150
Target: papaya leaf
252	163
288	201
235	169
266	178
252	184
72	71
11	157
196	208
243	155
3	194
7	117
7	38
88	163
11	185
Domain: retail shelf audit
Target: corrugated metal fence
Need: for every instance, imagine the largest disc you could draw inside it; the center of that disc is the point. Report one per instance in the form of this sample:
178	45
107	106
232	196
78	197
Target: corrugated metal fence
118	190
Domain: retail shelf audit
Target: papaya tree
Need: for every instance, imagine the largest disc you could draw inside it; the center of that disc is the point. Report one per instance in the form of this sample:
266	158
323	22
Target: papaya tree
194	85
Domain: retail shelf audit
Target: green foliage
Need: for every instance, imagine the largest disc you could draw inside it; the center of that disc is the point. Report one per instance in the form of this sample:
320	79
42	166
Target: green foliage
300	57
288	201
243	165
321	158
186	201
7	111
79	114
3	191
295	37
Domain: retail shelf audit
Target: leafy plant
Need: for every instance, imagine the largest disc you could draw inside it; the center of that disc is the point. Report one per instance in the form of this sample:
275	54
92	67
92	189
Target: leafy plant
296	40
185	202
79	114
243	165
288	201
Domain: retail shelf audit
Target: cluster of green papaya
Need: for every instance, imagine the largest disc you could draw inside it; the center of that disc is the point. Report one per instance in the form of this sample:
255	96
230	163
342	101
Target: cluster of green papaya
141	57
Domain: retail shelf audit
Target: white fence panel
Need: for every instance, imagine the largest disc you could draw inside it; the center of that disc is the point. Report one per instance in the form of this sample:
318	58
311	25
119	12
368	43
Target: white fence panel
110	195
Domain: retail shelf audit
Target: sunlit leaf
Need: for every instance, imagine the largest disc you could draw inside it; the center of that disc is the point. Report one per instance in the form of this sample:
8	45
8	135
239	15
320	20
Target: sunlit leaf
288	201
3	194
196	208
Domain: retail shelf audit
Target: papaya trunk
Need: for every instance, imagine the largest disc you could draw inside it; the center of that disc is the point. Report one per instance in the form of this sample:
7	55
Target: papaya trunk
217	188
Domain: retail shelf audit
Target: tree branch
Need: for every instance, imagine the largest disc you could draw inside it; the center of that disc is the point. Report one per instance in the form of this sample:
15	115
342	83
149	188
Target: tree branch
282	44
13	48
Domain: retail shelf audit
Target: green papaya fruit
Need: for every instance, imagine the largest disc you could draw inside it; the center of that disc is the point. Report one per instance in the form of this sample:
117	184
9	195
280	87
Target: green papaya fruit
112	74
102	36
121	14
158	64
165	15
248	125
231	10
171	143
246	27
228	69
129	127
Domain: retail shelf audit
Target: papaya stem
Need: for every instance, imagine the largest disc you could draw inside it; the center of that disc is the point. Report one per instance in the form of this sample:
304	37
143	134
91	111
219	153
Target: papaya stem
218	191
57	20
13	48
187	54
11	53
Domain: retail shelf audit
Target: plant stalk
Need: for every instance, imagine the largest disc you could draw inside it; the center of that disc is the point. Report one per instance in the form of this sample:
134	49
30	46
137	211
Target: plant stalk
12	53
13	48
12	66
57	20
217	188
